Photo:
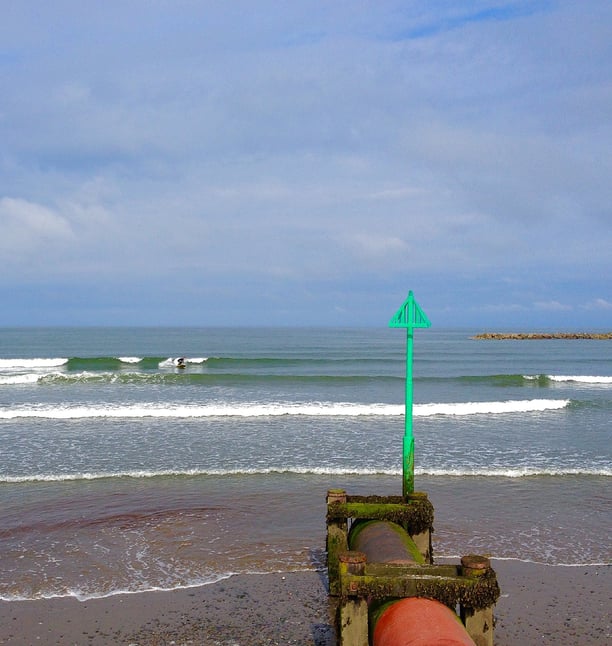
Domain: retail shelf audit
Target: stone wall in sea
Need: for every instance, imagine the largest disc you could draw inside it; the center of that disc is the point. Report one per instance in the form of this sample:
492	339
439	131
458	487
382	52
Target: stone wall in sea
546	335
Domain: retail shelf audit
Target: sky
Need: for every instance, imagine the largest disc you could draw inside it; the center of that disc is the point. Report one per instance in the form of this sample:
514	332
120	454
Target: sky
200	163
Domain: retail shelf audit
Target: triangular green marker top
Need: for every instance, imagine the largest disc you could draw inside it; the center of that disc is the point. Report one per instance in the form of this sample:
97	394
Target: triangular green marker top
410	314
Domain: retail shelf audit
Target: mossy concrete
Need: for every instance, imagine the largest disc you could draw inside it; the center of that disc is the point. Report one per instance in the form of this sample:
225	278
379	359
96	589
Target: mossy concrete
472	585
415	516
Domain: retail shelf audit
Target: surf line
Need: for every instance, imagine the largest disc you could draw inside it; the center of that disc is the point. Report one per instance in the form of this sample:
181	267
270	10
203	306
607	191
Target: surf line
316	409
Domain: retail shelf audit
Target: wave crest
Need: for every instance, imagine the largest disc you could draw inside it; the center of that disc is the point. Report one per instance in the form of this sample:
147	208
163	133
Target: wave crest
476	472
275	409
32	363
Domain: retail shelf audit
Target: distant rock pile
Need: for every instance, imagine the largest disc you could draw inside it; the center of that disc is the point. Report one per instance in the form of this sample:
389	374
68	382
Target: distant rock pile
521	336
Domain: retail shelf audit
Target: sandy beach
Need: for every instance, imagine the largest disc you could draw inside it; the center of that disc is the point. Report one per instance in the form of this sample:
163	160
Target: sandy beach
539	605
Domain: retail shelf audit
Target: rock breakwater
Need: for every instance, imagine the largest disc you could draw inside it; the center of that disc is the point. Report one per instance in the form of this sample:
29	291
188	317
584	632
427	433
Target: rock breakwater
521	336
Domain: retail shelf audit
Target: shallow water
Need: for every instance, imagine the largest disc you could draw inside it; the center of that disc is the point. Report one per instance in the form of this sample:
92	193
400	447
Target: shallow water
121	472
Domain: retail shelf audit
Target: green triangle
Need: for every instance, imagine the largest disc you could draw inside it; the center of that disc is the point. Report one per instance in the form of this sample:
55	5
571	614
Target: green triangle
410	314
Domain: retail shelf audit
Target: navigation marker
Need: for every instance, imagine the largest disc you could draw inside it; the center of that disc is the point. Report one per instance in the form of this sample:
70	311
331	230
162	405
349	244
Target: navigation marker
409	316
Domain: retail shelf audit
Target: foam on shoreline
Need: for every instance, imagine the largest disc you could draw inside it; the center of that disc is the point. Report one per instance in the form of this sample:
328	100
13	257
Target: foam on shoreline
539	604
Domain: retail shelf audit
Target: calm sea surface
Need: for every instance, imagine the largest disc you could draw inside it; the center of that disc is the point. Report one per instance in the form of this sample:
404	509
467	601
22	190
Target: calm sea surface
120	471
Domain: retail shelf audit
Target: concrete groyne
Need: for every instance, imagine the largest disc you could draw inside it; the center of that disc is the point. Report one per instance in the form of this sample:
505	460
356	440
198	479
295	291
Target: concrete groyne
379	554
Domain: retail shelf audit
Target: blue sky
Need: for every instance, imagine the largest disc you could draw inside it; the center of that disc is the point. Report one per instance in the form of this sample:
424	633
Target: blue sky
306	163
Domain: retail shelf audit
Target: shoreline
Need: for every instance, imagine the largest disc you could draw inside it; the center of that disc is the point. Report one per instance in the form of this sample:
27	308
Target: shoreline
529	336
542	604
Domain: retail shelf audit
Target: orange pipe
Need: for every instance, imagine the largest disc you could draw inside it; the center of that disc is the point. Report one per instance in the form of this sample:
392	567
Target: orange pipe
419	622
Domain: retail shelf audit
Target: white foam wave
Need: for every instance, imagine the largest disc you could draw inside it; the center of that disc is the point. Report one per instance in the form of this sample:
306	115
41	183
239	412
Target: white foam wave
172	362
32	363
12	380
74	377
583	379
130	359
313	409
81	595
144	474
499	472
521	472
42	377
492	408
443	558
534	562
210	410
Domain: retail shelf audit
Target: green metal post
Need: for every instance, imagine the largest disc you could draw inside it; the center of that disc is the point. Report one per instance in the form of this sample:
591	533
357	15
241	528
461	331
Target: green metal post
409	315
408	443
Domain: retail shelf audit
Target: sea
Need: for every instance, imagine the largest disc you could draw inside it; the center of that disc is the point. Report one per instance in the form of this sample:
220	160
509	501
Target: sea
121	472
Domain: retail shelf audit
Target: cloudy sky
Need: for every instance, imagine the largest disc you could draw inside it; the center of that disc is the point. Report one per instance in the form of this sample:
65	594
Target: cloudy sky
183	162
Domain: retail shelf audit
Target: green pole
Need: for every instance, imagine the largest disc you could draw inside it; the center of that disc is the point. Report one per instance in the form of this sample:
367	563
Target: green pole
409	315
408	443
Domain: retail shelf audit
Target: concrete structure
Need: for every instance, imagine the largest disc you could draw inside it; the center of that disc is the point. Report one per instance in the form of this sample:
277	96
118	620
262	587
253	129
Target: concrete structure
398	564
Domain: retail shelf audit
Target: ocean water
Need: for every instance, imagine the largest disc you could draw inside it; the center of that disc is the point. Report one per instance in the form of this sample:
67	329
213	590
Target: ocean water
121	472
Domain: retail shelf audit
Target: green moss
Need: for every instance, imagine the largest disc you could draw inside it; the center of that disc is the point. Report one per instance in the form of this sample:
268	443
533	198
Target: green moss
408	546
471	593
379	500
336	543
415	516
451	591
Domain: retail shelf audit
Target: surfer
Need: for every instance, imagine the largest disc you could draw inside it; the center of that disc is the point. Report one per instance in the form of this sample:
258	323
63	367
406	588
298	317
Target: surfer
180	362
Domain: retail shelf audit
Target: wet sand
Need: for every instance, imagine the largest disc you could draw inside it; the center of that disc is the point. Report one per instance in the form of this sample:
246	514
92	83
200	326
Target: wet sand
539	605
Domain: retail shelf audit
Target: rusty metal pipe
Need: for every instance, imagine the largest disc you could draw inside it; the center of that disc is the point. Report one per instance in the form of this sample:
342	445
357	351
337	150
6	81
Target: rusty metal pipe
384	542
416	621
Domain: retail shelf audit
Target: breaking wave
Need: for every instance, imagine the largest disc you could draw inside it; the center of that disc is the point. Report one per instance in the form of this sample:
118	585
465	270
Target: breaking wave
275	409
492	472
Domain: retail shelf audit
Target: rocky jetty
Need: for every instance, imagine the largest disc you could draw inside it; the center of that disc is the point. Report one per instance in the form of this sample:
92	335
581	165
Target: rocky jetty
521	336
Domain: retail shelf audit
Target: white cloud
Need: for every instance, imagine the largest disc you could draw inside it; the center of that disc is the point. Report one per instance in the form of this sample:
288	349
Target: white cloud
552	306
26	225
503	307
396	193
373	247
72	94
599	304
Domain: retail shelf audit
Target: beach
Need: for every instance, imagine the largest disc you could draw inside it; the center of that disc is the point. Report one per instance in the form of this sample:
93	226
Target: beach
539	604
